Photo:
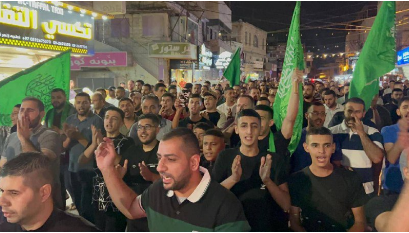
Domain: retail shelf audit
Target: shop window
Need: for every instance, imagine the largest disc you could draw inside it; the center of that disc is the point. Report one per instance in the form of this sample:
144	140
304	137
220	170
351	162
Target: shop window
192	32
120	28
178	24
153	25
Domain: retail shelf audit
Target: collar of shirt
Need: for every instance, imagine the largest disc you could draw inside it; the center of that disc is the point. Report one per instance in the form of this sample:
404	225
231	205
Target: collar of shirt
337	107
37	129
200	189
91	114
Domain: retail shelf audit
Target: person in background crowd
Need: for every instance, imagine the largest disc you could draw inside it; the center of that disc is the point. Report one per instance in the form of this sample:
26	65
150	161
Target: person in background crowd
130	86
345	93
229	107
199	130
27	184
104	95
112	98
183	184
197	88
255	94
120	93
167	111
388	91
392	105
204	90
98	103
211	113
326	197
79	136
263	101
159	90
378	114
236	91
331	106
194	105
256	177
213	144
107	216
150	104
136	98
138	85
319	86
172	90
146	89
127	106
361	145
308	94
5	131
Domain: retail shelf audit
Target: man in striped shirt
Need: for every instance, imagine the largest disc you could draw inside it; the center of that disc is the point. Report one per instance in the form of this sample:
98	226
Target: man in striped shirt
361	145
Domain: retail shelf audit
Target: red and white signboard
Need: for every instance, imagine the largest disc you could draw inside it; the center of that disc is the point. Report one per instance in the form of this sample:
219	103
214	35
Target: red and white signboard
111	59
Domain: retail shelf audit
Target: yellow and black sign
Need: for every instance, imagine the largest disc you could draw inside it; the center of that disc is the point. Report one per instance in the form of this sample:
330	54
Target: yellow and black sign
40	25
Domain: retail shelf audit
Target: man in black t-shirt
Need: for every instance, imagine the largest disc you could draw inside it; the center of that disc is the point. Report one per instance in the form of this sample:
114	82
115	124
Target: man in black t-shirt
329	198
26	185
258	179
195	105
142	162
213	144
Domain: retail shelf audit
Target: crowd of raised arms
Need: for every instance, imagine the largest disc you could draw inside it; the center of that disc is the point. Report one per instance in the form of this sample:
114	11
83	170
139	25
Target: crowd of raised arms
142	157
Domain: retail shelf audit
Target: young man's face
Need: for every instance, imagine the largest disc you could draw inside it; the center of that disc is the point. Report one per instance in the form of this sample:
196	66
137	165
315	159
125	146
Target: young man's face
195	105
196	89
119	94
316	116
403	110
330	101
353	110
229	95
212	146
138	86
30	110
145	90
150	106
248	128
159	93
145	135
255	93
167	102
266	122
58	99
112	122
397	95
308	91
243	103
209	102
131	85
173	92
320	148
128	108
199	133
20	203
82	105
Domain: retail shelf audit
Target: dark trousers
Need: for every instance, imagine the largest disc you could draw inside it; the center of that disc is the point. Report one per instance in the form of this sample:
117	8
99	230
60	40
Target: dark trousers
82	188
109	221
137	225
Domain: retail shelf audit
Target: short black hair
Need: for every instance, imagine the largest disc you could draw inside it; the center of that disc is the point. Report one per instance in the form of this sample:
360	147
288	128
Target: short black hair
214	132
200	85
167	94
151	97
100	89
315	103
195	96
147	85
208	93
248	97
120	88
190	143
248	113
154	118
355	100
396	90
158	85
83	94
118	110
400	102
207	82
58	90
330	92
17	106
265	108
230	89
140	81
172	87
188	86
40	103
35	167
202	125
318	131
125	99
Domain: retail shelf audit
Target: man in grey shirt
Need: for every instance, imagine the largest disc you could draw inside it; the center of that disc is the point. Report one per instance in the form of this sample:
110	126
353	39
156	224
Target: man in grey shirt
79	137
32	136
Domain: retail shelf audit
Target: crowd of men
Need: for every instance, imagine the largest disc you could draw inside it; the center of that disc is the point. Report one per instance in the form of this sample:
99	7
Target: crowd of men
207	157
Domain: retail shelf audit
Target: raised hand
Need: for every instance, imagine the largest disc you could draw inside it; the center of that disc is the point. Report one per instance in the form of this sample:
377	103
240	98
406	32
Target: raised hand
236	169
23	128
105	154
265	168
145	172
357	126
205	114
121	170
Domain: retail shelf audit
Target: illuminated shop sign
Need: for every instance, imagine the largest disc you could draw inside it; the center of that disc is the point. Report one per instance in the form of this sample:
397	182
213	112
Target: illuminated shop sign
403	56
41	25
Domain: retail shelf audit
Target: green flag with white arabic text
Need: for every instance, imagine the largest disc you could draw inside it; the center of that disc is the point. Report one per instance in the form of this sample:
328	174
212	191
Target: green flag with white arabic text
36	81
378	56
294	57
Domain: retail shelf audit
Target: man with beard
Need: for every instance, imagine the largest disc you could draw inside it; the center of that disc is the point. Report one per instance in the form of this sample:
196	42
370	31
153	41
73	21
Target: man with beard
142	162
236	91
150	104
127	106
194	105
197	88
104	95
211	113
331	106
32	136
327	198
213	144
136	98
257	178
138	85
79	136
361	145
308	94
119	93
392	106
319	86
255	94
98	103
107	216
146	89
54	119
185	199
300	159
27	187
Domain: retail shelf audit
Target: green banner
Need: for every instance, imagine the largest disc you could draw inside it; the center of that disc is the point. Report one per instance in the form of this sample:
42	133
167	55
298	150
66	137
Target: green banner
378	56
232	72
294	57
37	81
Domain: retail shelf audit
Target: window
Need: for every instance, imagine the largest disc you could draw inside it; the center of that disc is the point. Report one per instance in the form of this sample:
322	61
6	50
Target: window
262	46
255	42
245	38
249	38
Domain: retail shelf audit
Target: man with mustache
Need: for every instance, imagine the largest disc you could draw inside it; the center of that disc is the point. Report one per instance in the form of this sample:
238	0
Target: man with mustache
331	105
79	136
184	199
127	106
392	106
300	159
308	94
361	145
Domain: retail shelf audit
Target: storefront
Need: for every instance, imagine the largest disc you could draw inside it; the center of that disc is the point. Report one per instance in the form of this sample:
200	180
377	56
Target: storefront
33	31
403	61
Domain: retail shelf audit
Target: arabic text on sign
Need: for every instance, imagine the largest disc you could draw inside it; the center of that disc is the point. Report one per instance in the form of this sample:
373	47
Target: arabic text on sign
18	16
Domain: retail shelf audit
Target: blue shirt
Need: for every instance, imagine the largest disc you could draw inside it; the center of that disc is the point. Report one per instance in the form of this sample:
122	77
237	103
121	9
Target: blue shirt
301	159
391	175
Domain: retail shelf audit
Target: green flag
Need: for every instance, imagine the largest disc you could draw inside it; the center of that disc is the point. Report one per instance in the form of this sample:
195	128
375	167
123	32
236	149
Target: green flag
247	79
294	57
232	73
37	81
378	56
